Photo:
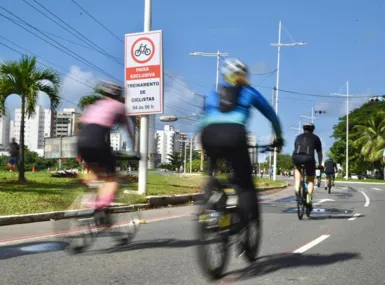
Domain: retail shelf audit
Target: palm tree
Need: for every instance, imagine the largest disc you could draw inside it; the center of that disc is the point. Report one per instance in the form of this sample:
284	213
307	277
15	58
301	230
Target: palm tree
370	137
25	79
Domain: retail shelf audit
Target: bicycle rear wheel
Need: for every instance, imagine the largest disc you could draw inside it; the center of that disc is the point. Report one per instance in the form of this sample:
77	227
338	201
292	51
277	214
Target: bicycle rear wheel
253	239
128	226
209	225
300	201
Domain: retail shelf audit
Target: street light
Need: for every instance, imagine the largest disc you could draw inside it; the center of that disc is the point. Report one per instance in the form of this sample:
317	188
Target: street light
217	54
279	45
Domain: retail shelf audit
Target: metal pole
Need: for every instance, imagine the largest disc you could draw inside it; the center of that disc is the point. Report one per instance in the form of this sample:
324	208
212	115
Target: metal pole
144	121
185	151
271	134
191	147
276	94
61	152
347	130
217	81
202	152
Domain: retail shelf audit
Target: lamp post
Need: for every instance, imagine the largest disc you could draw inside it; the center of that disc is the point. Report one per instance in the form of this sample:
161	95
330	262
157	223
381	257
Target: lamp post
279	45
218	54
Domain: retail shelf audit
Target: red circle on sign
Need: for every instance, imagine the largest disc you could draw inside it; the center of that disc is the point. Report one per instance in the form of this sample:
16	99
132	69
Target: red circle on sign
134	57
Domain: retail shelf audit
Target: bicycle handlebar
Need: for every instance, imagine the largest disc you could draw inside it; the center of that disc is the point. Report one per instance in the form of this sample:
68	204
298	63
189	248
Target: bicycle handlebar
265	148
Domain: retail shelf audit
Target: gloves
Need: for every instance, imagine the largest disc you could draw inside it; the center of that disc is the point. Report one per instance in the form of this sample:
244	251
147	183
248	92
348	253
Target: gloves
278	143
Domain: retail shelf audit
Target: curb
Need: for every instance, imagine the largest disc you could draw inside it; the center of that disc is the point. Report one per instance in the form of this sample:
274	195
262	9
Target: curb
153	202
360	182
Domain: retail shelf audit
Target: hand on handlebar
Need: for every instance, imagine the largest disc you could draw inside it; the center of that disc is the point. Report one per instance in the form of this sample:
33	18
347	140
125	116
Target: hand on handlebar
278	143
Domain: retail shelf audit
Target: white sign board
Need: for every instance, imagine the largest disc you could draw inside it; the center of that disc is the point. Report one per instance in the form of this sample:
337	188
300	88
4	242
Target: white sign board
144	73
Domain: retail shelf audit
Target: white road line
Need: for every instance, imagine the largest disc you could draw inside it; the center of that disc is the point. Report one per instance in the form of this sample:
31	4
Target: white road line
377	189
311	244
361	189
354	217
367	200
322	201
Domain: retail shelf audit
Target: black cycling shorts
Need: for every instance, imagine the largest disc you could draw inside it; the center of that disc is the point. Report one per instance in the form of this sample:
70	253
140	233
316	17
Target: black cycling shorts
94	147
307	160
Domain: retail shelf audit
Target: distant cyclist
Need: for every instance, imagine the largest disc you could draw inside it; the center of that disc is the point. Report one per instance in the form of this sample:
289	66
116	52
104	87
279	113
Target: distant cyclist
94	146
330	171
304	147
224	132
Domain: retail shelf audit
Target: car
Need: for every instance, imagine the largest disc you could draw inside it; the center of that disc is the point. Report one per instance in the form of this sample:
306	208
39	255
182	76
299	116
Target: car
353	176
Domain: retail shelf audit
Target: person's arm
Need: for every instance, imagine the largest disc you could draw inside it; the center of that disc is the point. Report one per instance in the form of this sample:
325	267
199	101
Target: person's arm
264	107
319	150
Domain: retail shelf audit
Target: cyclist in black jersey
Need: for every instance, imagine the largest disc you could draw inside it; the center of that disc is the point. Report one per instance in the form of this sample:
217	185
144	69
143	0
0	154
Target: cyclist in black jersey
330	170
304	147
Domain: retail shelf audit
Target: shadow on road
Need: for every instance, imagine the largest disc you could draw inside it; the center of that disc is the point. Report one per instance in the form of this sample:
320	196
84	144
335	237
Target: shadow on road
320	218
272	263
7	252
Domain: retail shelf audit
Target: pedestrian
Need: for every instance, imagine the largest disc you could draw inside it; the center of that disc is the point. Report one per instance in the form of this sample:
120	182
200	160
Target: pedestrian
14	155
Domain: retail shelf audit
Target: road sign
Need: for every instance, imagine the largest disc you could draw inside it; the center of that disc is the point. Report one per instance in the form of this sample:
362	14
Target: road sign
60	147
144	73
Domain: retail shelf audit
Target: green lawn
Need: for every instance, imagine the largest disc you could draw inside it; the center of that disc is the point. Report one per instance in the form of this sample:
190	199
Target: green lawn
44	193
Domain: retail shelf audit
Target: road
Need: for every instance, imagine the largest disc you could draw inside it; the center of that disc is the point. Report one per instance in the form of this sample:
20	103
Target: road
342	243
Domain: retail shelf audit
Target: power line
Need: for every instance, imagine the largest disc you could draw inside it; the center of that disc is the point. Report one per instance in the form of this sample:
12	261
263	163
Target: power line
108	30
63	49
81	35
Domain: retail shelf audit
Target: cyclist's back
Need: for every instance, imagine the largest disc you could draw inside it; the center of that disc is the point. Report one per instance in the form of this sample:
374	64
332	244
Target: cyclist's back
224	132
330	167
304	147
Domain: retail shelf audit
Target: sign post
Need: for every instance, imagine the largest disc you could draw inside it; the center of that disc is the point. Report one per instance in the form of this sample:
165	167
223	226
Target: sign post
144	83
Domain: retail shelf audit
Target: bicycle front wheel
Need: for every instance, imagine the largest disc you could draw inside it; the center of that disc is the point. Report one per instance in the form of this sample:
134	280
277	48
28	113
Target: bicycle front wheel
128	226
253	239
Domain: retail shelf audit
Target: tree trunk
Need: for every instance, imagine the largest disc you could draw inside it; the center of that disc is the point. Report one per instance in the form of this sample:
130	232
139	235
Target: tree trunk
22	123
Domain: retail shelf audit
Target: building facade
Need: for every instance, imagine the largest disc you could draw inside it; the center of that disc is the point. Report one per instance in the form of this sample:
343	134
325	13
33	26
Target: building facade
168	142
65	122
116	141
5	132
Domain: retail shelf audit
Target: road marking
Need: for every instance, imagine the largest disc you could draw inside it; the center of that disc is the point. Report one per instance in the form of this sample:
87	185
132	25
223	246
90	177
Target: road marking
322	201
367	200
311	244
377	189
17	240
354	217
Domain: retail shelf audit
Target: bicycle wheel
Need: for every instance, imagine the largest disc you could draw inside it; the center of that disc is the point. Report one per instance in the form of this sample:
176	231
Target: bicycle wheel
213	264
128	226
80	231
329	186
253	239
300	202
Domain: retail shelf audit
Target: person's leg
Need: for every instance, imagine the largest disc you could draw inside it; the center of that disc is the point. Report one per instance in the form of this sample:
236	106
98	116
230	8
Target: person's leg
310	173
297	178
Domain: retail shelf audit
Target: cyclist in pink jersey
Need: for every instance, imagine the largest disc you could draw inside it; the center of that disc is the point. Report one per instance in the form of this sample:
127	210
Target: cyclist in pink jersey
94	138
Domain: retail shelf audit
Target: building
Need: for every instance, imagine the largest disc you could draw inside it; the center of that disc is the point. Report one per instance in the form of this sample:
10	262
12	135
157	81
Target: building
183	139
252	141
4	132
49	120
33	128
168	142
65	122
116	141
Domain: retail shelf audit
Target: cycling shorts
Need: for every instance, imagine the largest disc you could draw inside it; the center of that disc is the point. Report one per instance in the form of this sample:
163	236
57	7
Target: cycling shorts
307	160
93	147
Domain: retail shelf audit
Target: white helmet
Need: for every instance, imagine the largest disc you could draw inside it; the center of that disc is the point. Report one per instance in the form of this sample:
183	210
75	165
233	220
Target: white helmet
233	65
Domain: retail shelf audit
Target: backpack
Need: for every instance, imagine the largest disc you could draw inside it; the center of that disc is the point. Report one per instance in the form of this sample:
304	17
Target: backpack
228	98
303	146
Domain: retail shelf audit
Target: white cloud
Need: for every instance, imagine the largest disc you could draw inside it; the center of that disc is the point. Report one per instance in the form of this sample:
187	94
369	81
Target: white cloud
75	85
355	102
259	68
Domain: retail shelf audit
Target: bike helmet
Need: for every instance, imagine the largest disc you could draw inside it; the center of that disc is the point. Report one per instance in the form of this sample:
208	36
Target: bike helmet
308	127
233	68
111	89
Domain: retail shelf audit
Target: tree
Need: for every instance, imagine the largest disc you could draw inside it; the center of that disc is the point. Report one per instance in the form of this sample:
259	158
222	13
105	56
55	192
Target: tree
25	79
284	162
176	160
196	165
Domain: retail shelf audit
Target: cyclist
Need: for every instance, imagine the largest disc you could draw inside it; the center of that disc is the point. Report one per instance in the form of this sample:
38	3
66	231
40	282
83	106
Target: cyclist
318	175
94	147
224	130
304	147
330	170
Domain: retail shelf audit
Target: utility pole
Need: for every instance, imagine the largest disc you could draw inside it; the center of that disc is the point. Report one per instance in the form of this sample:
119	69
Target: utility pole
347	126
279	45
144	121
299	127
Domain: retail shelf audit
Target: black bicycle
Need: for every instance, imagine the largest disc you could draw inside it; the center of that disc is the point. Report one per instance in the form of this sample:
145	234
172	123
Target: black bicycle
302	206
219	217
142	49
329	185
83	225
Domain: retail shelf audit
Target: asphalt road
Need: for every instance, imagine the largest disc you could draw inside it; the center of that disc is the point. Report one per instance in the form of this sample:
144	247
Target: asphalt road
342	243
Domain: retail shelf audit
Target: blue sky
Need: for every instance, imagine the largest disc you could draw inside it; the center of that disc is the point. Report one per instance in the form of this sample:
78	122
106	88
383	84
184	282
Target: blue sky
345	42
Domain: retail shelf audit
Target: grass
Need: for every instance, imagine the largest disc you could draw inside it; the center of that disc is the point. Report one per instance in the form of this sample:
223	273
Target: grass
44	193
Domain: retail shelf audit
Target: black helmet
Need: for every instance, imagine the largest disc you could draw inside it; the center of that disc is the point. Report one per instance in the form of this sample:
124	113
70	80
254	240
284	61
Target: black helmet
111	89
308	127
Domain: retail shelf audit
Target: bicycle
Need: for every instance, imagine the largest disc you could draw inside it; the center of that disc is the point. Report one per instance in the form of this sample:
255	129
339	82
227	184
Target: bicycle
142	49
329	185
219	217
84	225
302	206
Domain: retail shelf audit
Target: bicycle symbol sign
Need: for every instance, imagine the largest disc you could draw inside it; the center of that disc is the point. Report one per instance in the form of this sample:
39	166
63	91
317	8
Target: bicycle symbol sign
142	50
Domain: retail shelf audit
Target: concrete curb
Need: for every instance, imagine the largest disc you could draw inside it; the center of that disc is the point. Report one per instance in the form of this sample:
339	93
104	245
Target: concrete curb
153	202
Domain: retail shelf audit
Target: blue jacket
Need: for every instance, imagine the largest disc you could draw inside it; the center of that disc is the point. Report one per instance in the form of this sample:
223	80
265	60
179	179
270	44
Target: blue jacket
249	97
